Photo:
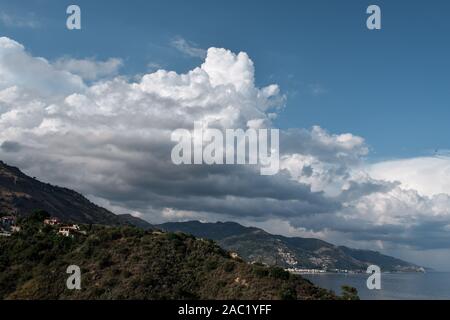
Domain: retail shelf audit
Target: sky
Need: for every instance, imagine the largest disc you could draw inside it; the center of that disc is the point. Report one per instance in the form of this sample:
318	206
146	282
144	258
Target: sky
363	113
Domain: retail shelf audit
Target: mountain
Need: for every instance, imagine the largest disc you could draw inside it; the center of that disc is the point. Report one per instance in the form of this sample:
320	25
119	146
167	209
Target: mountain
21	195
256	245
135	221
130	263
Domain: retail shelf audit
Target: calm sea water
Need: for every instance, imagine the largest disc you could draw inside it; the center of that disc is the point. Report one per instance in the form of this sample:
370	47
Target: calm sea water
397	286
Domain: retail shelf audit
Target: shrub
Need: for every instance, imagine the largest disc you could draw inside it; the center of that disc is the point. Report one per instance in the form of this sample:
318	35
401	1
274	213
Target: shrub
228	266
105	261
39	216
288	293
211	265
349	293
261	272
279	273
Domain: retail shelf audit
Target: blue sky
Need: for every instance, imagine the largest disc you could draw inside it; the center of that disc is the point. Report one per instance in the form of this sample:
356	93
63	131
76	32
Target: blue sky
390	86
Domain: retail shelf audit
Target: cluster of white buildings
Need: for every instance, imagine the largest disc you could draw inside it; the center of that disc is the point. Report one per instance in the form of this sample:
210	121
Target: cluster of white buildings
316	271
64	230
304	271
8	225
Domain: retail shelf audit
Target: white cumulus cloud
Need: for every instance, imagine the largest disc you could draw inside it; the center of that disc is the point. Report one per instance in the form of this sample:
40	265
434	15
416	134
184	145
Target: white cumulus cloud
90	69
428	175
18	68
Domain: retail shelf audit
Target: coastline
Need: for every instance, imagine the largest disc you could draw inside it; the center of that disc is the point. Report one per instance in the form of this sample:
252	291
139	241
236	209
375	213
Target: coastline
431	285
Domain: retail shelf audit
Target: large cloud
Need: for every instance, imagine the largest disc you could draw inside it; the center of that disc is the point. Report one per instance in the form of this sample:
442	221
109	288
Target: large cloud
111	141
37	75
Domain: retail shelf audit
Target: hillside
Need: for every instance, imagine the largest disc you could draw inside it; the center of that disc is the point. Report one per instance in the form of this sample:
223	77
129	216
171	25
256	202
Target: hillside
130	263
21	195
257	245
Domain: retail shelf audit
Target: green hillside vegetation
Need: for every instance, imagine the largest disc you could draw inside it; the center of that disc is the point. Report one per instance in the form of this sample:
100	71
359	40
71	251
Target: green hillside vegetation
125	262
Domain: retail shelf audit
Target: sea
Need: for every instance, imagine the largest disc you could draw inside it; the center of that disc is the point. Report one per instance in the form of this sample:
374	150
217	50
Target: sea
394	286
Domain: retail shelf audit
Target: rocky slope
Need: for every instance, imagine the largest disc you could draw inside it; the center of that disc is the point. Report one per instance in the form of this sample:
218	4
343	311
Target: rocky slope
21	195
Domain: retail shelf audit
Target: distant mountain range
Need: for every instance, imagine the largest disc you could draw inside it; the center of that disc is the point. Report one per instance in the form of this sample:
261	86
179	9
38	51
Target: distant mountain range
256	245
21	195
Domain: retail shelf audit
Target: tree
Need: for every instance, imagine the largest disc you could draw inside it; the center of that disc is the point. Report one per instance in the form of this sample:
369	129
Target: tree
349	293
39	216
